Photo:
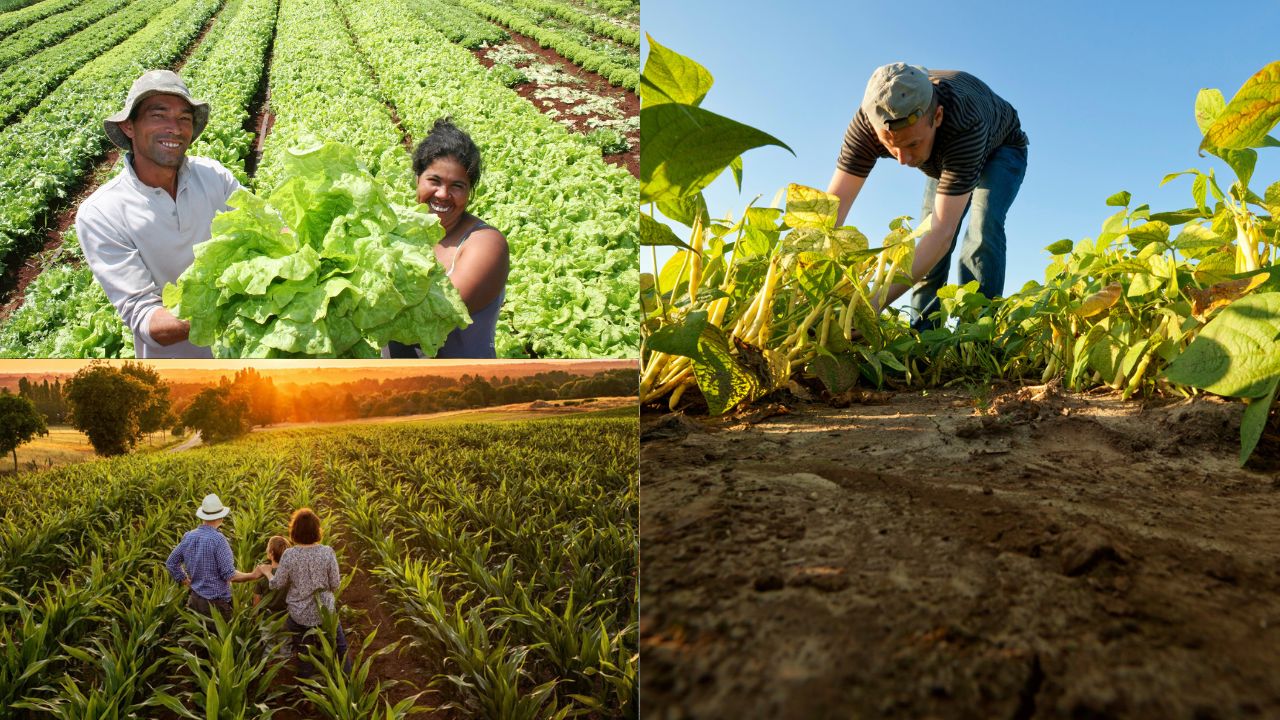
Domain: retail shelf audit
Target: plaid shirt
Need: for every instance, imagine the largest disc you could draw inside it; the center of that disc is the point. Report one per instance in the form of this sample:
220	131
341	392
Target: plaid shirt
207	558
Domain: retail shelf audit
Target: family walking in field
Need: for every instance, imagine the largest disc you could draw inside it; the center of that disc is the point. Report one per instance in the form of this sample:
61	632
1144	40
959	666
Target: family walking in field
302	573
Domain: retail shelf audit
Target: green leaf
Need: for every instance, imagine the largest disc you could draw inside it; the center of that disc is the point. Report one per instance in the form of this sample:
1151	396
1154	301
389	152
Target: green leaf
760	232
1143	284
1061	247
684	209
1254	420
686	147
1240	161
723	382
1237	353
1209	106
838	373
1120	199
1199	186
1176	217
1250	115
810	208
670	77
653	232
679	338
867	322
1271	198
735	167
1147	233
816	275
675	272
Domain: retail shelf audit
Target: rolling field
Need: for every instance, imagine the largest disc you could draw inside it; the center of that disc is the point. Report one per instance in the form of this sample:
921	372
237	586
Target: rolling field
489	570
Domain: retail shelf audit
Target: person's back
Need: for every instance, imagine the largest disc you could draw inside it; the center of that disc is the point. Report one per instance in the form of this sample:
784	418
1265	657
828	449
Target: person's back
310	573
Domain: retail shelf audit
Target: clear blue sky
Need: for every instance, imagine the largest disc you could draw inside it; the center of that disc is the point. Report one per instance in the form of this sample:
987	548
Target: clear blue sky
1105	92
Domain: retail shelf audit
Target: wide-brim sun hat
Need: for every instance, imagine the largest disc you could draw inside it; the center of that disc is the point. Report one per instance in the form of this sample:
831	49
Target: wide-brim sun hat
897	96
155	82
212	508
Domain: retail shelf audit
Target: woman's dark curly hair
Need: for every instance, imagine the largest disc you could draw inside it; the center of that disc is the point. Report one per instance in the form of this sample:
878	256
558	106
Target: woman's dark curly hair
447	140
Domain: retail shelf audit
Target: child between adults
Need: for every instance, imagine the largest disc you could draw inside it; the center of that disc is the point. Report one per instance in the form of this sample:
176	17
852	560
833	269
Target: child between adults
262	588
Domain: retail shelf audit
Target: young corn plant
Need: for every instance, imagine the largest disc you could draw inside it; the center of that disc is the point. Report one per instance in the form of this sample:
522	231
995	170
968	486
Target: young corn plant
345	694
123	662
231	665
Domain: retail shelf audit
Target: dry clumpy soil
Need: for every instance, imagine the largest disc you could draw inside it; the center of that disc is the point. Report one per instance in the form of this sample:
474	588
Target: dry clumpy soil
1027	555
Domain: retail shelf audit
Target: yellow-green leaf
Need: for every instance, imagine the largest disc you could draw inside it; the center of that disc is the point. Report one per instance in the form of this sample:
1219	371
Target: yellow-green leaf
1250	115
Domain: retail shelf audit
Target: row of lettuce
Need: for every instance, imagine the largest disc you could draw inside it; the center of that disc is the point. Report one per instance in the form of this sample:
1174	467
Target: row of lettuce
570	218
457	23
520	581
49	31
610	61
744	306
17	15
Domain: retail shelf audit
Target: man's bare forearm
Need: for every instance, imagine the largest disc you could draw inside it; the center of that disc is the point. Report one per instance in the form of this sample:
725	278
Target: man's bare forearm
165	329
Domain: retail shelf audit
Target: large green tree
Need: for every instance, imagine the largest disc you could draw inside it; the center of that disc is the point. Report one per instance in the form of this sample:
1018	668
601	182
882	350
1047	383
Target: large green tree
20	422
107	405
219	413
154	414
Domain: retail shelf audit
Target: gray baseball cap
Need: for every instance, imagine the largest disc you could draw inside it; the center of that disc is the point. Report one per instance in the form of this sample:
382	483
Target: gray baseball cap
897	96
155	82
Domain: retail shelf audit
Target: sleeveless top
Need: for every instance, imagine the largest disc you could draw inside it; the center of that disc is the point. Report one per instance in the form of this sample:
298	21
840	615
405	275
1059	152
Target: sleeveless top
474	341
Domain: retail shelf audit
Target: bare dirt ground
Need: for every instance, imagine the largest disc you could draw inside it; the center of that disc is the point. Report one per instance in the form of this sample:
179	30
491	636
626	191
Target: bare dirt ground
628	102
1025	554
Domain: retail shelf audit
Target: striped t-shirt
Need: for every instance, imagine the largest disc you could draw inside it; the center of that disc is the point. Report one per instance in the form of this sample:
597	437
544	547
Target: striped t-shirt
975	122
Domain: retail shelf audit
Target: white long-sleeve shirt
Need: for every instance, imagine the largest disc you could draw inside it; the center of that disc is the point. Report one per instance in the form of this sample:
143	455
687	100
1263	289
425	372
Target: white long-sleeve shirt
136	238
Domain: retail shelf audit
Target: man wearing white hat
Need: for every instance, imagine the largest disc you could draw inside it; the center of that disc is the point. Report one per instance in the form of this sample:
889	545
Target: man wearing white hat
969	142
139	229
203	562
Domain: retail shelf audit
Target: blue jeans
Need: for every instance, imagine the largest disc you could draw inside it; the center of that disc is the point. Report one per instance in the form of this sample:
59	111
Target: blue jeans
982	256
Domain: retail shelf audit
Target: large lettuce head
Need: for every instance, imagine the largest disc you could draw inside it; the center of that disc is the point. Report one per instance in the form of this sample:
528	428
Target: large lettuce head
326	266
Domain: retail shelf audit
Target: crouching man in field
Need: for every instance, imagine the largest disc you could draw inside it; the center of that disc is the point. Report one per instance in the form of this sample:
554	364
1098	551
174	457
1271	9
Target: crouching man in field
202	562
139	229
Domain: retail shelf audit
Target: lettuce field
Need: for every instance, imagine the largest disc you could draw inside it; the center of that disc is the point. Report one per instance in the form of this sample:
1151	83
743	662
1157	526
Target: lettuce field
546	89
489	570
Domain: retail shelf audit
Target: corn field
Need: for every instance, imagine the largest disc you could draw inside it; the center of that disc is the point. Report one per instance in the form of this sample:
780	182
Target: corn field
506	551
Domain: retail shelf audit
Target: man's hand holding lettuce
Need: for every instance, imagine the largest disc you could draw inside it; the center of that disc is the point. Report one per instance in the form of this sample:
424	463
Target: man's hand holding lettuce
326	266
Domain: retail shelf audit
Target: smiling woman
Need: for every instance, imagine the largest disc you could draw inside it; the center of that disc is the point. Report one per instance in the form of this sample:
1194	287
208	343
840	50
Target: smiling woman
447	164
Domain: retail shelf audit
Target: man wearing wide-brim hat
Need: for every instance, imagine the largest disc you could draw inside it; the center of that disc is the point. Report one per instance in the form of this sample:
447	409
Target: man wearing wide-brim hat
139	229
969	142
203	562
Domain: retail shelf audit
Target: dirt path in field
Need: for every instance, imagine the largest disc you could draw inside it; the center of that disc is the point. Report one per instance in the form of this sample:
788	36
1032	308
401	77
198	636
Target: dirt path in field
627	101
1033	555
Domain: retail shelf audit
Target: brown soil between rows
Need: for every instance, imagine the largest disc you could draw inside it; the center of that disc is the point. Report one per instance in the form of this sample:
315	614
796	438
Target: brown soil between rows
627	101
403	671
1043	556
